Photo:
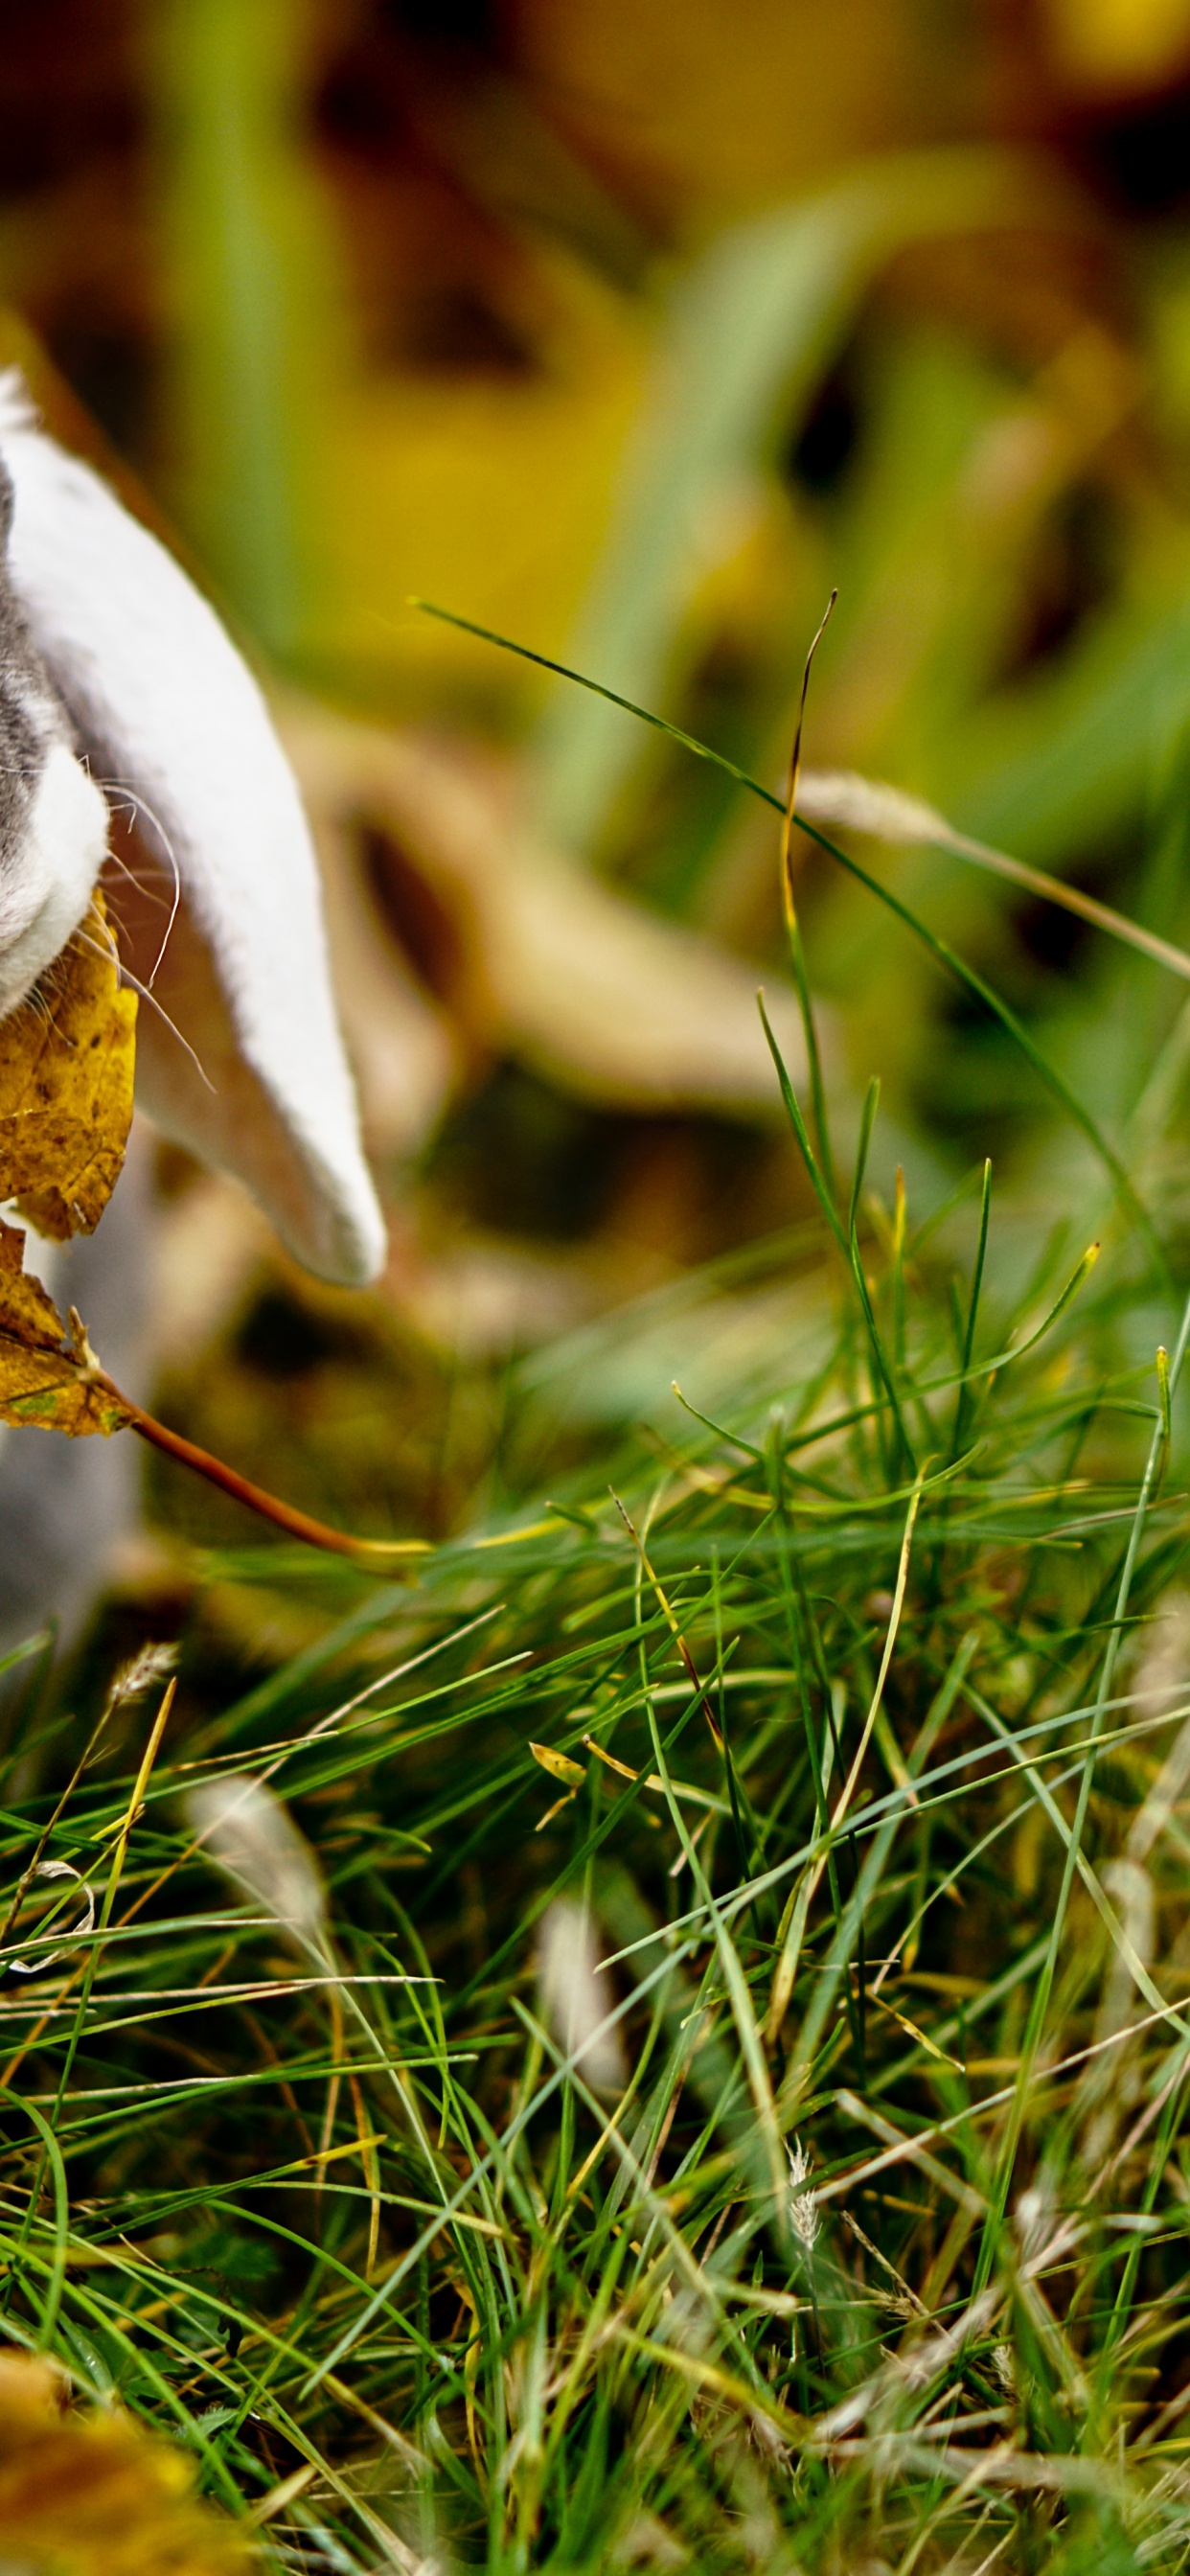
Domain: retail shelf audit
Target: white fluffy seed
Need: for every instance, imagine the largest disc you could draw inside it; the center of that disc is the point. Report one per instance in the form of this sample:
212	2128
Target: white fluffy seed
574	2000
246	1831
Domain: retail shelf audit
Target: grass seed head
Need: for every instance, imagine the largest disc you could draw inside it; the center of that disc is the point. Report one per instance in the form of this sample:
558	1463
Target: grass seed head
805	2215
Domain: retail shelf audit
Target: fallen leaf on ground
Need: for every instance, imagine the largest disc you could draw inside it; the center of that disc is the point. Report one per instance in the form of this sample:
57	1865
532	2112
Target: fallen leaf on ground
94	2495
522	951
67	1058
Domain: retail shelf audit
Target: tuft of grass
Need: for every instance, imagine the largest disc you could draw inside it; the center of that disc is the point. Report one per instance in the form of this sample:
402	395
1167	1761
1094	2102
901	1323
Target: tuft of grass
662	2040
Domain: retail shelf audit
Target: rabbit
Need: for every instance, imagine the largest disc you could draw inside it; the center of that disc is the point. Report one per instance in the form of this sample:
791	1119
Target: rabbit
120	688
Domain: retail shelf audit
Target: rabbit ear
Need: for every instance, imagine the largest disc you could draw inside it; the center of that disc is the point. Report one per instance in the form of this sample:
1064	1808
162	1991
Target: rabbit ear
171	717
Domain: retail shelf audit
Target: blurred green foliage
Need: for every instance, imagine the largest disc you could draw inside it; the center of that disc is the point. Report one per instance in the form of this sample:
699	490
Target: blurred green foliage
951	379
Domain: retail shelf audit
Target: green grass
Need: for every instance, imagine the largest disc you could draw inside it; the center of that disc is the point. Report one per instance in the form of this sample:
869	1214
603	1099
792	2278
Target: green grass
892	1873
333	2200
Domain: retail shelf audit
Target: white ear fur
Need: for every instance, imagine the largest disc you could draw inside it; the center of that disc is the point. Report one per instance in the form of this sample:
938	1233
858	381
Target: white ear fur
169	711
64	853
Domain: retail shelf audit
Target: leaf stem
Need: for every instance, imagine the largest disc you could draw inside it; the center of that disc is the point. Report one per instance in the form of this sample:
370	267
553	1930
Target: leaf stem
284	1516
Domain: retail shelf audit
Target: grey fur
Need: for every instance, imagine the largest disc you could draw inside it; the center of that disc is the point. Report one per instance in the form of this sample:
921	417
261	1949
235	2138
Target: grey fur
31	714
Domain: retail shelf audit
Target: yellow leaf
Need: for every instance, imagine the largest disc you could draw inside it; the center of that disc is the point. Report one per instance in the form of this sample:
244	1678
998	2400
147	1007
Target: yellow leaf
67	1058
559	1765
93	2495
1113	45
47	1368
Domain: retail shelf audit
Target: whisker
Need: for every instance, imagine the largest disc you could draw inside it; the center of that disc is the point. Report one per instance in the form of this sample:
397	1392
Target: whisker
146	995
149	884
139	805
115	916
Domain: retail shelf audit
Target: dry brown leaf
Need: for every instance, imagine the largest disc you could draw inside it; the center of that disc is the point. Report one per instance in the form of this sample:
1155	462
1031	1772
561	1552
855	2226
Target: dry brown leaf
67	1057
93	2495
525	952
47	1368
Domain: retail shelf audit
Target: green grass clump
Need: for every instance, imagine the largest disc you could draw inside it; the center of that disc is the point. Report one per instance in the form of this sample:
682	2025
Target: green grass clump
839	2219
